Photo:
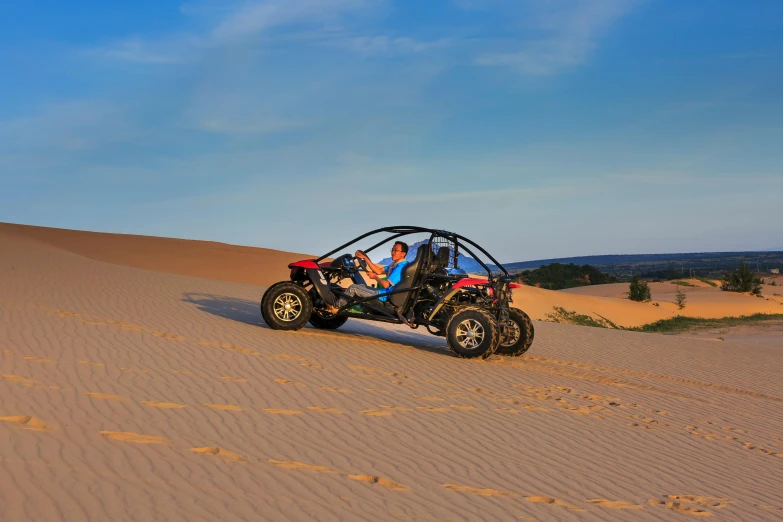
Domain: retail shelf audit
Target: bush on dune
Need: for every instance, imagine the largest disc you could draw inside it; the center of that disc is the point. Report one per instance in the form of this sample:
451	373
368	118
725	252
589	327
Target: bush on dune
742	280
639	290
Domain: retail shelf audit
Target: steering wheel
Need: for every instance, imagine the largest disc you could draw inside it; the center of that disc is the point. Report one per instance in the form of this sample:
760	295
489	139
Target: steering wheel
362	264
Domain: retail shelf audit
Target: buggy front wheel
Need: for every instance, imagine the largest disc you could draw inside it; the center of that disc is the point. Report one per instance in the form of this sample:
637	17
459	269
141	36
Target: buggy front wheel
472	332
286	306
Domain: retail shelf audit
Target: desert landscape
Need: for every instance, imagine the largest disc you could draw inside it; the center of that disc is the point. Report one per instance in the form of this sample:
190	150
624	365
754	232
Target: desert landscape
139	382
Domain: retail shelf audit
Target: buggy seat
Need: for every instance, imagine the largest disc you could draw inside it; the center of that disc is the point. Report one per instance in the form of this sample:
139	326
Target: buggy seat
411	274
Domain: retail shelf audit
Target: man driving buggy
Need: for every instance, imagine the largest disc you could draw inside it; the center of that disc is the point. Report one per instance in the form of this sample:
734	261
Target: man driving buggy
393	274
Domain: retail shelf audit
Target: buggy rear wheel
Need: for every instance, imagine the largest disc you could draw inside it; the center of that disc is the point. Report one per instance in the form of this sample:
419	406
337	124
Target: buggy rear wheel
472	332
519	336
326	323
286	306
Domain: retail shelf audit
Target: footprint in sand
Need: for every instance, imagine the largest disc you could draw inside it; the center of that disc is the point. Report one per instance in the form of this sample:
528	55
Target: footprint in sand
90	363
376	413
679	507
396	408
163	405
432	409
223	407
136	438
372	479
105	396
288	357
335	390
590	411
275	411
25	422
233	379
535	408
363	368
38	359
312	366
552	501
286	381
506	410
231	347
21	380
483	492
613	504
364	375
171	336
336	411
292	464
464	408
219	452
713	502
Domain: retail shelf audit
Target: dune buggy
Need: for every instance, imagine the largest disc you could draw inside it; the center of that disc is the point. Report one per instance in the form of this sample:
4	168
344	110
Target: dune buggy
473	314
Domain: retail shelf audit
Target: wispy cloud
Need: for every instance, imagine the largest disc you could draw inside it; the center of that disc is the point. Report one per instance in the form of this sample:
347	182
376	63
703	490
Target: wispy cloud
249	19
557	35
385	45
139	51
489	197
230	23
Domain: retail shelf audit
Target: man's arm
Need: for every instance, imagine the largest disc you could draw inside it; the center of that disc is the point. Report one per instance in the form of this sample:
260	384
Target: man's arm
385	283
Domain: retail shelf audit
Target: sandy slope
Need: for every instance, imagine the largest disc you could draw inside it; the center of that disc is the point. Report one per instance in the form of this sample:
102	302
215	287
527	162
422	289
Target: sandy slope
238	264
131	394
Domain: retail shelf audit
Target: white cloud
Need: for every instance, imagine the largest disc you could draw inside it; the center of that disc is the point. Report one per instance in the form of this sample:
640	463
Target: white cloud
565	34
136	50
229	23
389	46
251	18
476	196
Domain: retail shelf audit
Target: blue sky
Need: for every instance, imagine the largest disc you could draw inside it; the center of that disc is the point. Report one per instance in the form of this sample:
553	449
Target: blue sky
537	128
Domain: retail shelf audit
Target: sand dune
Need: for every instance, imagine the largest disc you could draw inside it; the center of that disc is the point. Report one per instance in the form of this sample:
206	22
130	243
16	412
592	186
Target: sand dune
611	302
133	394
238	264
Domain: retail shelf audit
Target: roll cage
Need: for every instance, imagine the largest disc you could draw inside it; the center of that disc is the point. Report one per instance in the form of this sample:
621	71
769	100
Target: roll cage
454	239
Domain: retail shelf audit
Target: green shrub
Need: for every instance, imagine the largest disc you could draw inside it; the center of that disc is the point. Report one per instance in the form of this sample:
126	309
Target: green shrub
708	281
680	282
741	280
561	315
680	298
639	290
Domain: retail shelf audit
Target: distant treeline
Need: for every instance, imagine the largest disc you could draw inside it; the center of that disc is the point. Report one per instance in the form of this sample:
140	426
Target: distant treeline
667	266
557	276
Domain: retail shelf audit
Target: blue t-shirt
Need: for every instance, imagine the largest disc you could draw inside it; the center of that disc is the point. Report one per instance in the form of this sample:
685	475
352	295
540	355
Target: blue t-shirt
394	275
